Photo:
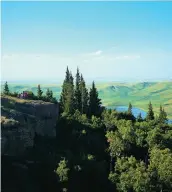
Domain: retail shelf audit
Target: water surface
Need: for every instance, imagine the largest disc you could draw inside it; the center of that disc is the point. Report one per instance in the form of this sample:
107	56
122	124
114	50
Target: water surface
135	110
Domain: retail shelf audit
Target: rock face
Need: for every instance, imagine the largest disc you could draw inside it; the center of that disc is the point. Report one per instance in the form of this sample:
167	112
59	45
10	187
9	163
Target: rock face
22	119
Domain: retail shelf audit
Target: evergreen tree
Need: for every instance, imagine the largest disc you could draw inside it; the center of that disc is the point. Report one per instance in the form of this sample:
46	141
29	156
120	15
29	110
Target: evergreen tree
64	91
39	92
67	78
160	118
150	113
165	116
130	115
67	94
139	117
49	94
94	102
70	94
162	115
129	109
6	89
84	96
77	92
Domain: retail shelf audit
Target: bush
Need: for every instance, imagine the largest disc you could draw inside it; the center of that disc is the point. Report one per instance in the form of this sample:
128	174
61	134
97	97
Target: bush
15	94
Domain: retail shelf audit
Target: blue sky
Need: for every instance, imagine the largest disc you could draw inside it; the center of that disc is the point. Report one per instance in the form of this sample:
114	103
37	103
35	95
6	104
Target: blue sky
108	40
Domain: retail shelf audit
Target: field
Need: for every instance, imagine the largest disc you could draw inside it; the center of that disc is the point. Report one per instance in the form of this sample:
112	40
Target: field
118	94
139	94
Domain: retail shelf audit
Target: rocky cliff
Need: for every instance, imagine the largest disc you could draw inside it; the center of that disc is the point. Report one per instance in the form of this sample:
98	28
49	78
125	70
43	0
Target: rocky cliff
22	119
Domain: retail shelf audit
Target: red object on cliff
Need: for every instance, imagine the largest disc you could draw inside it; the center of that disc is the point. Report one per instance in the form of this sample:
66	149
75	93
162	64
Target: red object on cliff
23	95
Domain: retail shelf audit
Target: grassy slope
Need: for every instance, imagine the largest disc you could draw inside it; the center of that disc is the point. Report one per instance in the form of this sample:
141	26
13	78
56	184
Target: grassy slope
113	94
139	95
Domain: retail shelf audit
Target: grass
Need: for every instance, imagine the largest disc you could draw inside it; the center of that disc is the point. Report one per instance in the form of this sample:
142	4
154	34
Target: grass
13	100
5	122
115	94
139	95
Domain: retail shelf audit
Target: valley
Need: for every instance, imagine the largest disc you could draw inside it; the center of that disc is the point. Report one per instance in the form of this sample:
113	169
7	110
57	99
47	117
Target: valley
119	94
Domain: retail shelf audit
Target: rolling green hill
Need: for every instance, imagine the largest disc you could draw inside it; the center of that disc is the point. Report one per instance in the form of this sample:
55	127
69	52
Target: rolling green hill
116	94
139	94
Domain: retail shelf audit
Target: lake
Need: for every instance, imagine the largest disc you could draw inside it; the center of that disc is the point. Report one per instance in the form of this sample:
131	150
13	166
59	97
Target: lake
135	111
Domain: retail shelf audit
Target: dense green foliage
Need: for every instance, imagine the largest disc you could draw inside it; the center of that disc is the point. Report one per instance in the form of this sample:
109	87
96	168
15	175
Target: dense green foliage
84	96
162	115
77	98
150	113
116	93
6	89
77	94
48	97
39	92
139	117
94	102
99	150
67	94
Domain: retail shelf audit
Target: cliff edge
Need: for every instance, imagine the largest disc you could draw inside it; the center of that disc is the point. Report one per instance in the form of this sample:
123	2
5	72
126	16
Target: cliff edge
22	119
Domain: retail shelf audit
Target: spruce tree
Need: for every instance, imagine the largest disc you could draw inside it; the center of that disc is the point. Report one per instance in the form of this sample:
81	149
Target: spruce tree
94	102
130	115
6	89
165	116
49	94
64	91
39	92
70	94
162	115
67	78
129	109
139	117
84	96
150	113
77	93
67	94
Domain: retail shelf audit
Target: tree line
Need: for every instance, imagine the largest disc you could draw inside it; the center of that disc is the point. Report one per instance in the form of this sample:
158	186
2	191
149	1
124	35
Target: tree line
75	96
98	149
47	97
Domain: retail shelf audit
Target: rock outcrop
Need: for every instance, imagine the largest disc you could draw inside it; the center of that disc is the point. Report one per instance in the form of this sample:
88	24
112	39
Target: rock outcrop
22	119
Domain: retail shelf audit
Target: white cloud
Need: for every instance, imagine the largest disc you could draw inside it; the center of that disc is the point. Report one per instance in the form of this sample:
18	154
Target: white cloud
33	66
99	52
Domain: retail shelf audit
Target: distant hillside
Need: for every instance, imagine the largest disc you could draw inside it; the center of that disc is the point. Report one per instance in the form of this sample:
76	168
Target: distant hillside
117	94
139	94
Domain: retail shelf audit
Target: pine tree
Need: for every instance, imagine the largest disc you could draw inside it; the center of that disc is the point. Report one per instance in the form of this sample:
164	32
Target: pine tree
67	94
84	96
64	91
162	115
39	92
67	78
70	94
77	92
6	89
129	109
49	94
150	113
94	102
130	115
139	117
165	116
